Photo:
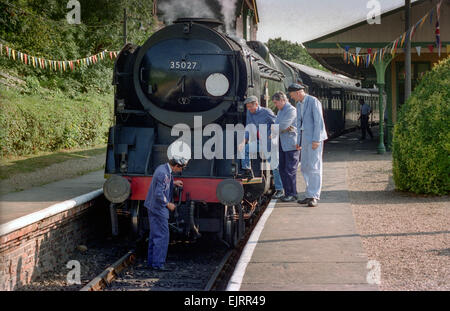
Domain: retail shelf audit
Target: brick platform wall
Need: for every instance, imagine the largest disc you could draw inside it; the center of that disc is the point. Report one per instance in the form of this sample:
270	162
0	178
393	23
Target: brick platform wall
37	248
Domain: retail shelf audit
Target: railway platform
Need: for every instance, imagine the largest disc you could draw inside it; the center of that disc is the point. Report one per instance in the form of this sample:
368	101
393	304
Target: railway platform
18	204
42	226
295	247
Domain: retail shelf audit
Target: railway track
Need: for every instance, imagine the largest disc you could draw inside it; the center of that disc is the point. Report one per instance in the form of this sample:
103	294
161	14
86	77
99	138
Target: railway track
193	267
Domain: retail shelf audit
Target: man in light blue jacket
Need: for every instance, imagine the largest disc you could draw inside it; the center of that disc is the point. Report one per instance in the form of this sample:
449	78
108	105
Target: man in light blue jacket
310	137
288	153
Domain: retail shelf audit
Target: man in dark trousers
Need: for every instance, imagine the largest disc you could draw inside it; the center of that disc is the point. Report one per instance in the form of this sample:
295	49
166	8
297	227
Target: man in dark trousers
158	206
288	153
364	117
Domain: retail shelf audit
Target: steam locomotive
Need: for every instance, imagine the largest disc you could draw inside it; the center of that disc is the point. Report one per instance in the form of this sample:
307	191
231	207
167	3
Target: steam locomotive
186	70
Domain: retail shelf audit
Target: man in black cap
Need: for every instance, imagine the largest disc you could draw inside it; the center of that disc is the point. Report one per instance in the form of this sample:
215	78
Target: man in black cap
310	136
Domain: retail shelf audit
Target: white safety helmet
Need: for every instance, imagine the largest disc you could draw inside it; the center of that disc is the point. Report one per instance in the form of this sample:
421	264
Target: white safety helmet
179	153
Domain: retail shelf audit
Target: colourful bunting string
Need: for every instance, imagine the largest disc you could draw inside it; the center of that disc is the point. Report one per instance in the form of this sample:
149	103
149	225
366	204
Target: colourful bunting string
394	45
55	65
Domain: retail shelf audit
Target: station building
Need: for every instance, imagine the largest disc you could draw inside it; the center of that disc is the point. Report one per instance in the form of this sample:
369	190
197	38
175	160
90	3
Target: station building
329	51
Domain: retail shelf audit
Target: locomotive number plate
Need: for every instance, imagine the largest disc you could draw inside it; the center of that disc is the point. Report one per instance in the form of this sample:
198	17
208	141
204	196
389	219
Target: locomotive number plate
183	65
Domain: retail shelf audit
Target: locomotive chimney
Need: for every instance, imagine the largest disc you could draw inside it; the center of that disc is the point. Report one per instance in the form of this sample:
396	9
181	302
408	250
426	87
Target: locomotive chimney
209	22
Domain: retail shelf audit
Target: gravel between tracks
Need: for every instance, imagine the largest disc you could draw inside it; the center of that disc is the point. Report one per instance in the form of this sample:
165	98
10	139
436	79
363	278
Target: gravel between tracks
408	234
192	265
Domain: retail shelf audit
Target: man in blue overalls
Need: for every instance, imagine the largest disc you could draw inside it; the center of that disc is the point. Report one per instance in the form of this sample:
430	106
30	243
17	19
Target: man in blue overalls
258	115
310	136
288	153
158	206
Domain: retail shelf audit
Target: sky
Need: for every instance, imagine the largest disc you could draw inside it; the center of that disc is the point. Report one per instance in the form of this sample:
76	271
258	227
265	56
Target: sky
303	20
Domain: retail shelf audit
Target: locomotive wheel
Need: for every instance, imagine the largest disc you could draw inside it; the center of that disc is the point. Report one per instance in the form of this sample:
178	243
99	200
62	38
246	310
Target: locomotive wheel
231	233
241	222
136	214
230	227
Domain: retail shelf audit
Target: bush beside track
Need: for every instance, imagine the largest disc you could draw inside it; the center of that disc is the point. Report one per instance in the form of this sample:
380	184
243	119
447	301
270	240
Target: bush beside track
49	122
421	143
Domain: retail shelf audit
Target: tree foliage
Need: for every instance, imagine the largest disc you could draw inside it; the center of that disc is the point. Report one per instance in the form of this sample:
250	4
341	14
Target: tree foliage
293	52
421	143
40	28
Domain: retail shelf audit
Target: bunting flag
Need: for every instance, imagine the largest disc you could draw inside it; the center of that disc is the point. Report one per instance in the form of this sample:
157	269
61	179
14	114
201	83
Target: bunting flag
418	50
430	48
43	63
438	38
423	20
412	31
357	49
438	32
403	39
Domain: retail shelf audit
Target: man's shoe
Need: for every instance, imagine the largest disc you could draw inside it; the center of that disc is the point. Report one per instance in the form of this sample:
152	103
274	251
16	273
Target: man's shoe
144	267
278	194
161	269
304	201
288	198
313	203
247	174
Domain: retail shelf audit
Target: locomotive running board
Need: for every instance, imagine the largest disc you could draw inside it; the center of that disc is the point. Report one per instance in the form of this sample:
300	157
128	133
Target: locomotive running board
256	180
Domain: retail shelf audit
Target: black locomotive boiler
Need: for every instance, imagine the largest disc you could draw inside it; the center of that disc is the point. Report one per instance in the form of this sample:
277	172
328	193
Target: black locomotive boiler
189	70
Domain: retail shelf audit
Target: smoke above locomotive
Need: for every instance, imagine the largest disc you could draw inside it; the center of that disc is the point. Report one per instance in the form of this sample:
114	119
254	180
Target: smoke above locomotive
223	10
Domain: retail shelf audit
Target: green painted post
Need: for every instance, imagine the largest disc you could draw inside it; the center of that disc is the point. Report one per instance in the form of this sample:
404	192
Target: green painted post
381	148
380	67
389	125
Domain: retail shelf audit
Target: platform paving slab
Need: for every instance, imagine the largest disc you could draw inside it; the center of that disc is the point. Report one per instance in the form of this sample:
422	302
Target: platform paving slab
17	204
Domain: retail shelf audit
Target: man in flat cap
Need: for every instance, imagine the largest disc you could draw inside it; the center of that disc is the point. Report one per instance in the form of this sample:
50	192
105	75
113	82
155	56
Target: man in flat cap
258	115
310	136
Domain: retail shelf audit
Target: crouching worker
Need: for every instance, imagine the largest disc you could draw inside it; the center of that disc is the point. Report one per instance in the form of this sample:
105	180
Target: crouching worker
158	206
257	116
